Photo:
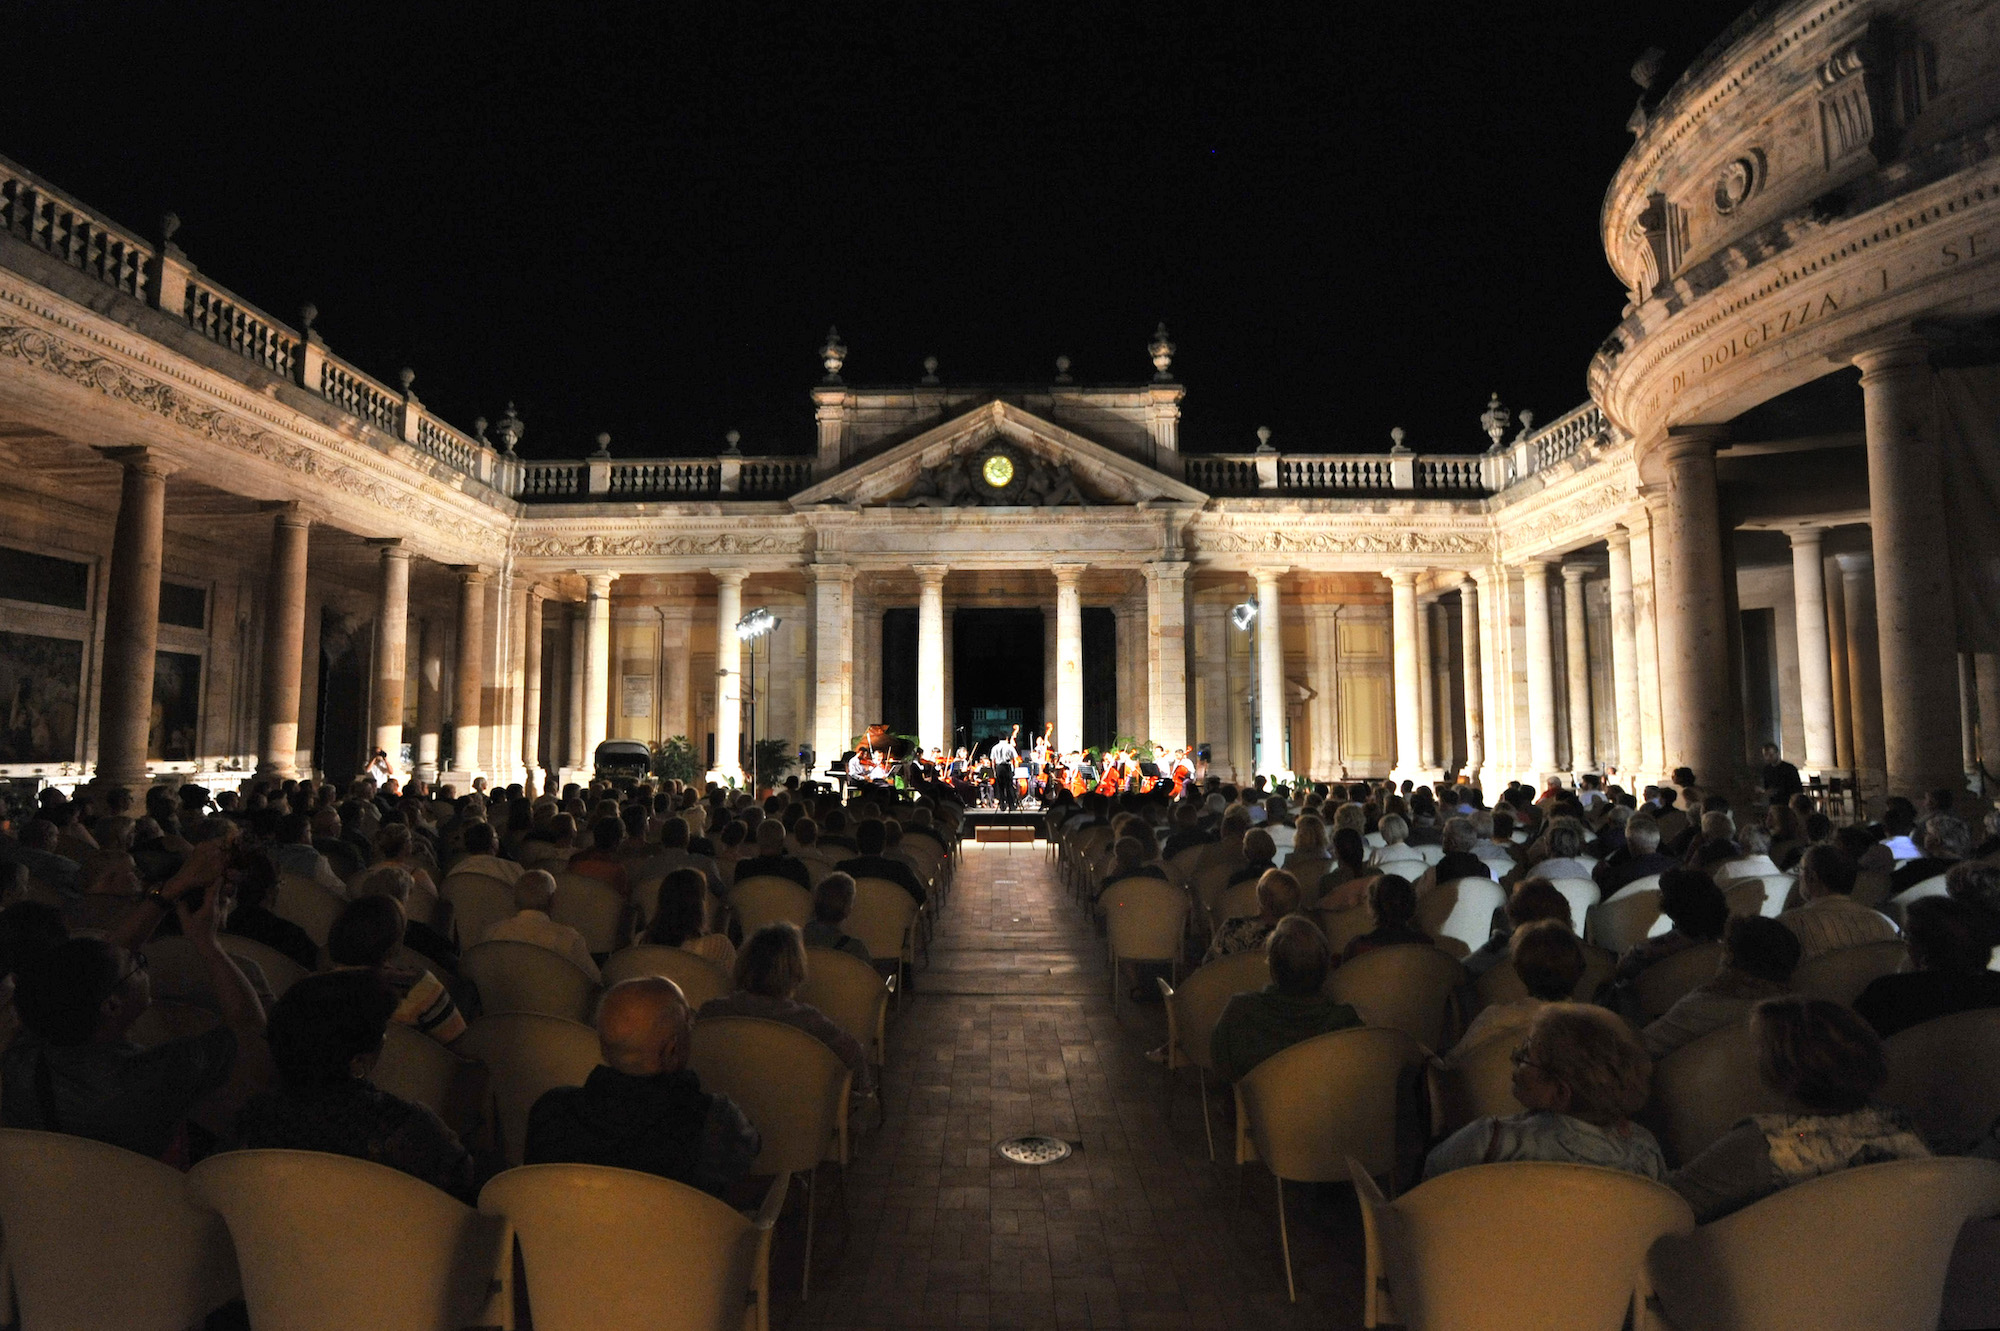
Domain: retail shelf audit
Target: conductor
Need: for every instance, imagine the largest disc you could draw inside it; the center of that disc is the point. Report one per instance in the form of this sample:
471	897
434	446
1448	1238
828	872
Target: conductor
1004	756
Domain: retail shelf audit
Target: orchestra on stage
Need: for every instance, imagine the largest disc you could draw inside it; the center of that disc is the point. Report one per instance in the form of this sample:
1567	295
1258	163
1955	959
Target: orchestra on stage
1000	775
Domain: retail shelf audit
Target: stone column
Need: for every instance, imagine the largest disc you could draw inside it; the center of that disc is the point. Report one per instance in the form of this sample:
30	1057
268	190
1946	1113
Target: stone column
430	696
728	675
932	729
597	663
1270	628
284	645
1428	729
1864	670
1695	699
1166	653
1403	627
1475	698
468	671
1836	636
833	659
1576	661
1986	693
1913	595
392	648
132	620
1968	733
578	625
1815	654
1624	653
1541	670
1069	656
531	688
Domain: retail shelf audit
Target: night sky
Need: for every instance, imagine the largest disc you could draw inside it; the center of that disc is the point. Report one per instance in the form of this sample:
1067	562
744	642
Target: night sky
624	221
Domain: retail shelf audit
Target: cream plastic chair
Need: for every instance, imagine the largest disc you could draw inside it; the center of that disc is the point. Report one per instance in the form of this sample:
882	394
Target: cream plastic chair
99	1237
1181	867
1408	987
1232	903
1862	1247
852	994
1664	983
417	1068
1896	905
1434	1265
1617	924
1321	1108
1702	1088
1872	887
699	978
1461	909
792	1087
1746	896
883	917
477	904
1477	1082
330	1243
1144	920
1840	975
308	905
1650	883
1582	895
526	1054
1777	890
592	907
178	973
1946	1074
1502	983
1342	927
766	899
1195	1007
659	1254
524	977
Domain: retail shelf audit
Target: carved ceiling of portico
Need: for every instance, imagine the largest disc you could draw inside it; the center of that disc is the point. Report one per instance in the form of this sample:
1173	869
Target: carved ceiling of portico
1577	510
84	378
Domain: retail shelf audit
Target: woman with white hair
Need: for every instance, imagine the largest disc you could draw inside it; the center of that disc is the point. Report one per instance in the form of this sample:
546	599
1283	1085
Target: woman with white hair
1395	847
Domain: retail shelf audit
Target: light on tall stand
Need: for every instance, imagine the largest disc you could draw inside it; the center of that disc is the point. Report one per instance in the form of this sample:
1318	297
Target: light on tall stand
1243	616
751	627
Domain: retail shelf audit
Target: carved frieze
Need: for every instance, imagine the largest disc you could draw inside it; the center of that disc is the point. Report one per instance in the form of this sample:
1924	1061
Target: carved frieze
1563	514
644	545
1278	541
47	352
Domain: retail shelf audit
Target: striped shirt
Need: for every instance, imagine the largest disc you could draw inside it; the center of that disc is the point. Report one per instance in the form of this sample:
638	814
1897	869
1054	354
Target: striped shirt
1833	922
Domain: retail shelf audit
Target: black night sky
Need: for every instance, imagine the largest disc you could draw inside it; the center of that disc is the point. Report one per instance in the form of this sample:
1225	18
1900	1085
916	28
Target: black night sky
642	220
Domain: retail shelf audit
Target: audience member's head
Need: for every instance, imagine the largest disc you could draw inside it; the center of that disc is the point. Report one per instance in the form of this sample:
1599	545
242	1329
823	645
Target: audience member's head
1818	1053
870	836
1393	900
772	963
1946	935
1548	959
1350	849
682	913
1277	894
367	932
1259	847
1538	899
1694	903
1299	956
1393	828
535	890
1458	836
833	898
1564	839
1582	1061
327	1030
1945	837
82	990
643	1027
1761	947
1824	871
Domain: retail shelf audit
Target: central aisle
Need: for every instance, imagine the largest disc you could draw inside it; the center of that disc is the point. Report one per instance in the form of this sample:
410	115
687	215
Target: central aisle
1012	1031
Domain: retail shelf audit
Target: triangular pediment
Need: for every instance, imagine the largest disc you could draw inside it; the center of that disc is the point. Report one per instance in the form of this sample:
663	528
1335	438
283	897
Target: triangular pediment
946	466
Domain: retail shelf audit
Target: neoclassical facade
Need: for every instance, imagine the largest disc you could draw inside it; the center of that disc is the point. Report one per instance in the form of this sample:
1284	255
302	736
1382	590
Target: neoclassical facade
1761	526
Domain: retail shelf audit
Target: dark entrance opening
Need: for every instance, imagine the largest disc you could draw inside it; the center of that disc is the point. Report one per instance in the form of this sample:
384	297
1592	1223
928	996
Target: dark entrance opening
1100	676
340	730
996	669
899	671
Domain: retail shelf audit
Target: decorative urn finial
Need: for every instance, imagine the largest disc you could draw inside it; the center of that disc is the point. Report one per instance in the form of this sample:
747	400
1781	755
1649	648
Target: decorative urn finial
833	355
1494	419
1062	370
1264	439
603	444
930	369
731	442
1396	437
406	377
511	429
1162	351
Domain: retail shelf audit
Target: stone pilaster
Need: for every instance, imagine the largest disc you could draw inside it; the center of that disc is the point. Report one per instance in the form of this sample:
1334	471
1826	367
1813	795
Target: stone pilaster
931	723
1270	630
1815	653
1542	757
1624	653
1408	682
468	673
1695	701
132	619
392	649
833	659
1471	634
430	696
728	676
284	644
1166	653
1576	664
1864	671
597	664
531	686
1069	656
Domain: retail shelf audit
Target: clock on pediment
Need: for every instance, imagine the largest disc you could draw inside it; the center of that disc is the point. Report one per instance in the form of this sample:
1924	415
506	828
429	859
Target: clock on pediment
998	473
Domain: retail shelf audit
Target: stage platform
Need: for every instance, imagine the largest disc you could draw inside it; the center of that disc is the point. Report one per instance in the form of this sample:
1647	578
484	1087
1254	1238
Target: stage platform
1002	825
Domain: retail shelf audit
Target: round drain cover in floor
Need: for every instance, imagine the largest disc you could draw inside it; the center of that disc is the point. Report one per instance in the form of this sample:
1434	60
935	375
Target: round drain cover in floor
1034	1150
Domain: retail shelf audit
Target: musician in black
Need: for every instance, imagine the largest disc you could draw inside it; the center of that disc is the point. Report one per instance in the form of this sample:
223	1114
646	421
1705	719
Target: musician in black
1005	756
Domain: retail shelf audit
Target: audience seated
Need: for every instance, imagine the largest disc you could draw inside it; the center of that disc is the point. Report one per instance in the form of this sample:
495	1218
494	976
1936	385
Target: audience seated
1830	917
1641	857
1260	856
365	936
1581	1075
534	893
253	878
1396	854
644	1109
1899	823
298	857
832	900
1550	962
1753	861
1458	861
35	850
1758	958
769	971
1949	948
681	919
1392	899
1345	885
1945	840
1309	858
870	839
325	1036
601	859
1828	1061
1561	856
1130	858
1698	909
771	860
1291	1008
392	880
1277	897
480	855
1532	899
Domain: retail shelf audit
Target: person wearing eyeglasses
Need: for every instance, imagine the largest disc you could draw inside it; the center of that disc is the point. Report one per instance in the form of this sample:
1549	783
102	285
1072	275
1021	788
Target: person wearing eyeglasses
1580	1075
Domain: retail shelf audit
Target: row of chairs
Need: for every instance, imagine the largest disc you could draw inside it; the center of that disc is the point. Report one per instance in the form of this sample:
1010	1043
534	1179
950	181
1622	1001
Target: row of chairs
315	1242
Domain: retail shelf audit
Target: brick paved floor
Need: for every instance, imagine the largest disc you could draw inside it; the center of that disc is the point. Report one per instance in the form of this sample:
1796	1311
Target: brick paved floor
1012	1030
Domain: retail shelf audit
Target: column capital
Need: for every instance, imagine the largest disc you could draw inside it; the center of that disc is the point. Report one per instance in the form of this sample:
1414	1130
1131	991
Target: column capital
1683	441
931	575
1067	574
287	512
1468	582
1268	574
1861	561
472	575
1901	350
1810	533
1618	538
730	577
1165	568
392	547
599	582
1575	573
830	572
144	460
1401	577
535	591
